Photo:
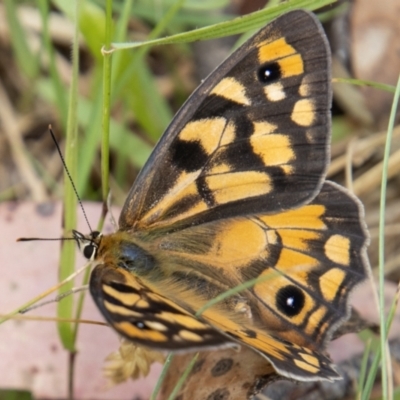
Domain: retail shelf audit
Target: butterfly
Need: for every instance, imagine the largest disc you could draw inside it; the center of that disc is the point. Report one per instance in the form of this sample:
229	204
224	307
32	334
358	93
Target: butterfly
235	191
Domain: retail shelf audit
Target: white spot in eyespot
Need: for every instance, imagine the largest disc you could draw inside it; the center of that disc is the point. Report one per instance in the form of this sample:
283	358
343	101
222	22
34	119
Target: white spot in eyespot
290	302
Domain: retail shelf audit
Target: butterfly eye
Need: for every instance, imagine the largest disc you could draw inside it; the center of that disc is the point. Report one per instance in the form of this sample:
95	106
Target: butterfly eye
270	72
90	251
290	300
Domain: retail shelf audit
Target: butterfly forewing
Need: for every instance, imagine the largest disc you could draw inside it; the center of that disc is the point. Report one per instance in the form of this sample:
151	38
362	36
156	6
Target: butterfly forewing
254	131
146	317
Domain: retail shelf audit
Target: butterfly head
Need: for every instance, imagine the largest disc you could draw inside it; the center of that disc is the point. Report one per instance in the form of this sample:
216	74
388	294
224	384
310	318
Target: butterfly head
88	244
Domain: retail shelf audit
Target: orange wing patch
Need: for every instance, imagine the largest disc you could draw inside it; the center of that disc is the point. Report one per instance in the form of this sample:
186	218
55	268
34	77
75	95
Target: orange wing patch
231	89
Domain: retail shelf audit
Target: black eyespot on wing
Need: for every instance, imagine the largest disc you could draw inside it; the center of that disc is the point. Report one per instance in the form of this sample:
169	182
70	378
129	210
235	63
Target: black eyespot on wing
269	72
290	300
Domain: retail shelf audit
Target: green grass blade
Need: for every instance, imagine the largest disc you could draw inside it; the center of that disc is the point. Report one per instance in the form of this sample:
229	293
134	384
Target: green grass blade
237	25
163	374
382	216
367	390
183	377
105	143
67	261
363	369
363	82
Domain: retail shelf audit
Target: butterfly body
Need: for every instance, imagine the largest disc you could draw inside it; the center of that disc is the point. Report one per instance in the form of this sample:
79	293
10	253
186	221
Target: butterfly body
234	192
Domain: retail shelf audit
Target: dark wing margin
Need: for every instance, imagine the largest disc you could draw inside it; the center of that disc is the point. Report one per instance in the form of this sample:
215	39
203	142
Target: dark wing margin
253	138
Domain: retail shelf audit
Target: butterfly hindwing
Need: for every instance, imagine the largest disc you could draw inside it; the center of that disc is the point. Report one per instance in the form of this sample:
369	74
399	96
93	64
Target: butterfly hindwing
308	261
254	130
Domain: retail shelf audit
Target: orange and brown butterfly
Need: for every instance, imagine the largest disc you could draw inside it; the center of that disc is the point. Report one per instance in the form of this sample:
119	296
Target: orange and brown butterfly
235	190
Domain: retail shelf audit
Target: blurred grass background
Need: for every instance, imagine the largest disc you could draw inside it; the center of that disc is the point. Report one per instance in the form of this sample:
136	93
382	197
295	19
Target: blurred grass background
147	87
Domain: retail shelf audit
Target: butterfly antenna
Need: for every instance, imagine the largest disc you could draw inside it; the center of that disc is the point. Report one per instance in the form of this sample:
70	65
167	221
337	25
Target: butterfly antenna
69	177
43	239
